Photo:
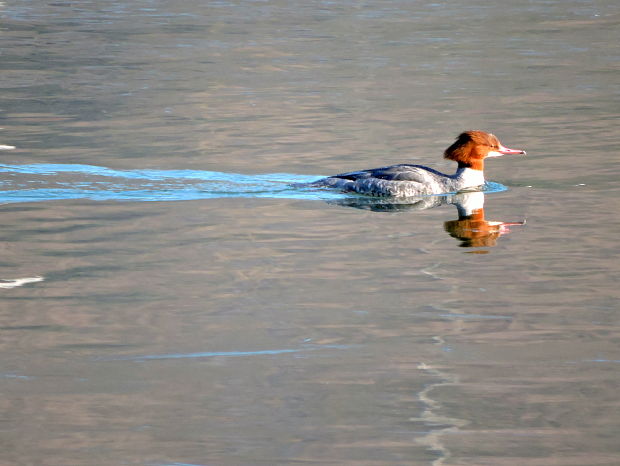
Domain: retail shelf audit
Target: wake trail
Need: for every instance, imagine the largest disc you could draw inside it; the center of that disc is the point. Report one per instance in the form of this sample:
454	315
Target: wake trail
48	182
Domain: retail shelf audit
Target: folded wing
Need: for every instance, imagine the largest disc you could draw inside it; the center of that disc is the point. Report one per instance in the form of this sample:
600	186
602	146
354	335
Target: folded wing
402	172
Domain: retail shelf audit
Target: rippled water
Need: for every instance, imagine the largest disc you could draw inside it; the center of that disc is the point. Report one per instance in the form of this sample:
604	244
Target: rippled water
237	319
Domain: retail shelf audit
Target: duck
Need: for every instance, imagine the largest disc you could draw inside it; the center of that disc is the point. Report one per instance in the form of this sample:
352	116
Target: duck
469	151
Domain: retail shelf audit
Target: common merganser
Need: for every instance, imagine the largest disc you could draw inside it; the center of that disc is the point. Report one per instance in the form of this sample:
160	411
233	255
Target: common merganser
406	180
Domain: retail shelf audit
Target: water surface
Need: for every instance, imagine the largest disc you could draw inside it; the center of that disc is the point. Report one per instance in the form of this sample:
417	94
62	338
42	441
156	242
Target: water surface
234	320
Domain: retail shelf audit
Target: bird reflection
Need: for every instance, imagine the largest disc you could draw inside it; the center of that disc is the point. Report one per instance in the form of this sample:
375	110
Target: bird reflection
471	228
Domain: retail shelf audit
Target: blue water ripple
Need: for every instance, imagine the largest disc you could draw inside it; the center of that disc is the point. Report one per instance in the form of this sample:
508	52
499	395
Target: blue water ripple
211	354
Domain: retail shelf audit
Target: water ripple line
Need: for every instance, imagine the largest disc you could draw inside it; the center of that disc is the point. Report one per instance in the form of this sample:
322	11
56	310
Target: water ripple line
212	354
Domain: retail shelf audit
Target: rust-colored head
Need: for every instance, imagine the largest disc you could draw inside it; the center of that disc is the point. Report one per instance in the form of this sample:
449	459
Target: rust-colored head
472	147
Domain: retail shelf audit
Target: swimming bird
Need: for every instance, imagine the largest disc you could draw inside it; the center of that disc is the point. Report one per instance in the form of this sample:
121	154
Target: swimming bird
469	150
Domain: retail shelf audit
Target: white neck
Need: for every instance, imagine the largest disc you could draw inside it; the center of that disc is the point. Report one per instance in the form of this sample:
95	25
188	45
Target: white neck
469	177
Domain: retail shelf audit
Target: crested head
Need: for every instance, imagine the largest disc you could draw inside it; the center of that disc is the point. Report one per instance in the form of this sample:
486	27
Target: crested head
472	147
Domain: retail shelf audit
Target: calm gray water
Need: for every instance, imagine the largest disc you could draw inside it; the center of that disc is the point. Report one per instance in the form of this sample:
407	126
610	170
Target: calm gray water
166	298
